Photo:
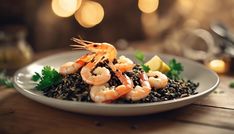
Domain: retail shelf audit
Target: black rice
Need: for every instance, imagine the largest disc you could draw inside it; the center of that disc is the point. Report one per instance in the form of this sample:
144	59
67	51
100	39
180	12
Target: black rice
74	88
175	89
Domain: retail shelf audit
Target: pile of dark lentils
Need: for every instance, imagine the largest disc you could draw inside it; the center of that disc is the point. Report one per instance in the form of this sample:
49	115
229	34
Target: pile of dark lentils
74	88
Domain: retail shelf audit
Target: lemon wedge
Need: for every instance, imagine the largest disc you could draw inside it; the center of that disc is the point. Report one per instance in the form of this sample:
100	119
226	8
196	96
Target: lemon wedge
156	64
164	68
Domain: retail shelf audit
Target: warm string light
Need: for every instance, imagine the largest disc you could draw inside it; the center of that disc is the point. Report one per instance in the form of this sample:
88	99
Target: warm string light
217	65
90	14
148	6
65	8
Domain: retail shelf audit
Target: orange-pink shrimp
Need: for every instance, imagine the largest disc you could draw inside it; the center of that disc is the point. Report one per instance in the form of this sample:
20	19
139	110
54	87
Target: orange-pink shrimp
157	79
126	86
95	76
105	94
124	64
140	91
73	67
127	83
106	48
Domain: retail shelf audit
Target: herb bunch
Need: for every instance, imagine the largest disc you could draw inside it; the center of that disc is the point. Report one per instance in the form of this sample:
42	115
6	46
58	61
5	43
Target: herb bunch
47	78
176	69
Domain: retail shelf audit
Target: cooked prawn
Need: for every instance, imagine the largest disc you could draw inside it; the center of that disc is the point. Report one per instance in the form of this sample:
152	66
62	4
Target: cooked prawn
106	48
126	86
157	79
140	91
70	67
73	67
99	76
124	64
95	76
104	93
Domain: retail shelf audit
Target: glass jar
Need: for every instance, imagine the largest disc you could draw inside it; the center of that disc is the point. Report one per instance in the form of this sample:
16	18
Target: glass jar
15	52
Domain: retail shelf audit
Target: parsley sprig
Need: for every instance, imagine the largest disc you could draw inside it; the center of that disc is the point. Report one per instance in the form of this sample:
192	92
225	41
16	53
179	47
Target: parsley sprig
176	69
141	58
5	80
47	78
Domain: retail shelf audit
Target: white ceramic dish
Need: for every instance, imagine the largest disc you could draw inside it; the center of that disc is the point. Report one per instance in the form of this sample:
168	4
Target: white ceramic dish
194	71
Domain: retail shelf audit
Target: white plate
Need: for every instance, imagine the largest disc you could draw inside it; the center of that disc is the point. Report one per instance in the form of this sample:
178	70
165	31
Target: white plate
194	71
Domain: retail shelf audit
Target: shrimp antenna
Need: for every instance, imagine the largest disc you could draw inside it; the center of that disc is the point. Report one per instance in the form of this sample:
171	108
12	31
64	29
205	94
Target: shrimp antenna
81	44
77	47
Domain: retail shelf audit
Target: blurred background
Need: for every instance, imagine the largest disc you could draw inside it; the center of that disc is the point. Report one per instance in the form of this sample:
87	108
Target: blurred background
197	29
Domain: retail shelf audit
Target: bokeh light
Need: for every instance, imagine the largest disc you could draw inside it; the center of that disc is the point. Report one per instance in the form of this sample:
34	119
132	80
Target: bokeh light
90	14
217	65
65	8
148	6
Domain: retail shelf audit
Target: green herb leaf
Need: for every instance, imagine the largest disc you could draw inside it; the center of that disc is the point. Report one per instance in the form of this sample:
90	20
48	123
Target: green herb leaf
145	68
5	81
231	85
176	69
49	77
140	56
36	77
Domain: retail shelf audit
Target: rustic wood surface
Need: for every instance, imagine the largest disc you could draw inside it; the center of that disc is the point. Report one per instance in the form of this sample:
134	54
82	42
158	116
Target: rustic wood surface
213	114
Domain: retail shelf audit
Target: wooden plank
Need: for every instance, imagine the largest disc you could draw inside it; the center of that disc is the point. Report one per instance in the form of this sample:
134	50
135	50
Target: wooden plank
6	92
210	116
21	115
222	97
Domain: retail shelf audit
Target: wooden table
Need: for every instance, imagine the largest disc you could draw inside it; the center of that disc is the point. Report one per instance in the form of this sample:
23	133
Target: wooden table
213	114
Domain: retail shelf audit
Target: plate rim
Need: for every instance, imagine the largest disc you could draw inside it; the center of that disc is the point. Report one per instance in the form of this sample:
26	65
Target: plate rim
69	102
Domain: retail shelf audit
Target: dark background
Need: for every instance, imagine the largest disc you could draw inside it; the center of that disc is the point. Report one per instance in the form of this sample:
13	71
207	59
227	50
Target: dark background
122	20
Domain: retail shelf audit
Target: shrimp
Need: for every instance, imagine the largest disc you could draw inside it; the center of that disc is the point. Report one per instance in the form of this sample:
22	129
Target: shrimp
100	75
126	86
97	76
157	79
73	67
140	92
124	64
70	68
106	48
109	52
104	93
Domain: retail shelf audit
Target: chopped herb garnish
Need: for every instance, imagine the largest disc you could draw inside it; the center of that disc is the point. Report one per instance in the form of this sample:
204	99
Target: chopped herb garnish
141	58
5	80
176	69
47	78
